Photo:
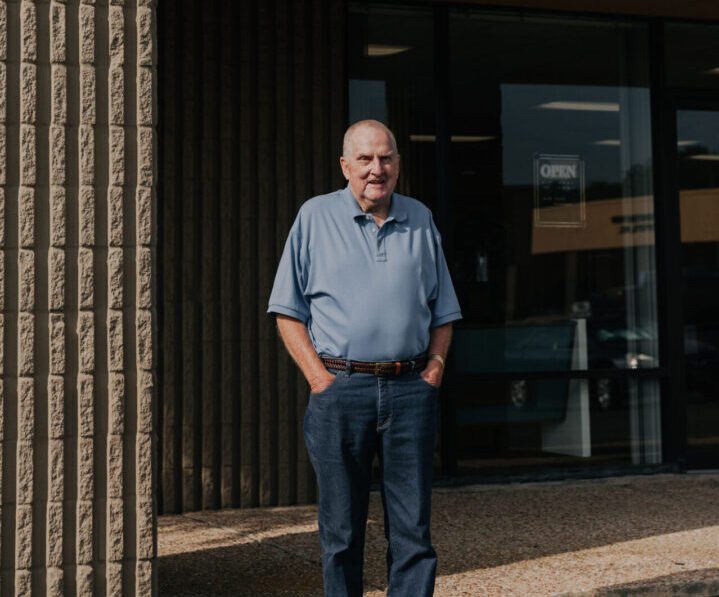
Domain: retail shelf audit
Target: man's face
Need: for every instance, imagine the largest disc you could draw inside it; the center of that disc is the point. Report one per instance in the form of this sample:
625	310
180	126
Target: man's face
372	168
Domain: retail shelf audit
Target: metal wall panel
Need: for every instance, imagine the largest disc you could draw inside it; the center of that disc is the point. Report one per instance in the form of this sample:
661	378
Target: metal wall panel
252	98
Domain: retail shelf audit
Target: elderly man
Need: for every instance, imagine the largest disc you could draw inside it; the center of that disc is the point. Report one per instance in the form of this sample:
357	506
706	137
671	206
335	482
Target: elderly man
365	306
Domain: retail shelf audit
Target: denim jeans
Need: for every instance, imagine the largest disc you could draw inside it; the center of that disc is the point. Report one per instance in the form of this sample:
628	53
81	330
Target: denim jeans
357	416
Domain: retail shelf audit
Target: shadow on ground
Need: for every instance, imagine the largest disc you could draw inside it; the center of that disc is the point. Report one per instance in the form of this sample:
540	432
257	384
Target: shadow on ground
275	551
692	583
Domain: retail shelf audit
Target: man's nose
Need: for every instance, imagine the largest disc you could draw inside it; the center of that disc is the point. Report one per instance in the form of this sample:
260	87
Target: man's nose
376	165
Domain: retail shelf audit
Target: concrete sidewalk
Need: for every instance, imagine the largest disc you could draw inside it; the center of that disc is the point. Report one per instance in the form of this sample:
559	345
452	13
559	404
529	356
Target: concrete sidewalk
650	535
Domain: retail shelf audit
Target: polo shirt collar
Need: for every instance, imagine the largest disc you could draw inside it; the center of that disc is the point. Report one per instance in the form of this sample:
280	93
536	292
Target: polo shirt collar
396	213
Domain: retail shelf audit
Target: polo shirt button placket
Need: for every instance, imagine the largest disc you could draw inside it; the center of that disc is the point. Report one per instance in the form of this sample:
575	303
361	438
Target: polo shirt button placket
380	255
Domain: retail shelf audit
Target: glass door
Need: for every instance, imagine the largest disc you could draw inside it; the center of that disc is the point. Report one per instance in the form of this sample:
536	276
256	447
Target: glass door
698	186
551	216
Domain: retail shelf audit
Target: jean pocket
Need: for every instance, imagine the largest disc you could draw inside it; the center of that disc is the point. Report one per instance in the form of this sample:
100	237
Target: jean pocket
327	389
426	383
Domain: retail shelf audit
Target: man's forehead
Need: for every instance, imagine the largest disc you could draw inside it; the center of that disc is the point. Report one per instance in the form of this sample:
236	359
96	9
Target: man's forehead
383	149
370	137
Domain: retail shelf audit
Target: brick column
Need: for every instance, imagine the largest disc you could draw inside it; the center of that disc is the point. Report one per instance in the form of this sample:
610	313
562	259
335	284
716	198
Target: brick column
77	306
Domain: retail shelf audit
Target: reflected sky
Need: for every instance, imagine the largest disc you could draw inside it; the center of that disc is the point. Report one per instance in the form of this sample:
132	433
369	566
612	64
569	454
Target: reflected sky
570	120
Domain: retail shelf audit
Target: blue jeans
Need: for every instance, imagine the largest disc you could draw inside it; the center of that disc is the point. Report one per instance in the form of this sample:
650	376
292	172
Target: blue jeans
357	416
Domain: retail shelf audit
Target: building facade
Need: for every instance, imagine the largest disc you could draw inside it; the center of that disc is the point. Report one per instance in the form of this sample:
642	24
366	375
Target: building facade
153	157
567	154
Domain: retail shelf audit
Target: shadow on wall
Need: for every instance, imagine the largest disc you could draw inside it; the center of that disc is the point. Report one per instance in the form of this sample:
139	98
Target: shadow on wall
276	551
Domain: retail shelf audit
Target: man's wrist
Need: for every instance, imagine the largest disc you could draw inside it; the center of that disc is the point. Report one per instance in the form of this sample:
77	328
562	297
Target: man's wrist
318	376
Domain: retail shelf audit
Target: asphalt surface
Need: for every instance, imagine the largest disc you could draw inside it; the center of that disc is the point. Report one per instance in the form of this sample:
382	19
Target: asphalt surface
644	535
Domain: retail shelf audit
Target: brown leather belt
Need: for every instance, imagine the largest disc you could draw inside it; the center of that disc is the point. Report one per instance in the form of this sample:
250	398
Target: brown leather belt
378	368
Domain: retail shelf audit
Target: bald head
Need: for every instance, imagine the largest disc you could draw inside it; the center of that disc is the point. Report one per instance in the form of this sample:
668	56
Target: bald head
348	142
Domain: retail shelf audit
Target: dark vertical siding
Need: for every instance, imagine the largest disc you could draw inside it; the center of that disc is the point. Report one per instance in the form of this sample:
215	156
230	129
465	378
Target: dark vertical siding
247	258
229	246
284	208
189	31
253	102
266	215
302	106
210	149
171	125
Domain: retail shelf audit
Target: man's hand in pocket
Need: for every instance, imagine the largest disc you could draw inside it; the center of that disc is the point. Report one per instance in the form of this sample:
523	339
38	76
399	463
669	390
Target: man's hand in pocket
320	384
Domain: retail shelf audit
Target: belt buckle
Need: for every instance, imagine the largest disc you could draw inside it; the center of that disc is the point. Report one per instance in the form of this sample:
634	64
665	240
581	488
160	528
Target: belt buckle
378	369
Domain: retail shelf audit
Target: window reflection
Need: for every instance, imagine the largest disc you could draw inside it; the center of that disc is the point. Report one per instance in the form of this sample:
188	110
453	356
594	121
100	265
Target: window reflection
553	209
698	165
391	68
553	236
550	236
692	52
558	424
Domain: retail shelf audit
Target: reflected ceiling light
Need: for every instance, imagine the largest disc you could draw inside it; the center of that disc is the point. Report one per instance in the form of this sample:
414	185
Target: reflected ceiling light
455	138
712	71
705	156
582	106
385	49
471	138
617	142
422	138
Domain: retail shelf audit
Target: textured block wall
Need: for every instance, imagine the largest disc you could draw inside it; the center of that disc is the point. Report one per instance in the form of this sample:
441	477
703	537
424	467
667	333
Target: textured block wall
252	100
78	239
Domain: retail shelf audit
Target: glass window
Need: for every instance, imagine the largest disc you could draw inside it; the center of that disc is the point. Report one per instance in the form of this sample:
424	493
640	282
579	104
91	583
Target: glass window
552	192
698	170
692	64
555	424
391	66
552	238
692	55
550	235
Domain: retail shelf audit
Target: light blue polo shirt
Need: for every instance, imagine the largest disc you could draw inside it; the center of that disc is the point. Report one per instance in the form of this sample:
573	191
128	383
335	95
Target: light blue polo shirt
365	293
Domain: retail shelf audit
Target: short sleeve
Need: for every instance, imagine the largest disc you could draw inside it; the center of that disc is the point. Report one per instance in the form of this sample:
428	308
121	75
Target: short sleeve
287	297
445	307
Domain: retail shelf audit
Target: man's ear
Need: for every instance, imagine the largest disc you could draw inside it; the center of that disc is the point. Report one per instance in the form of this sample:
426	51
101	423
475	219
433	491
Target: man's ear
344	164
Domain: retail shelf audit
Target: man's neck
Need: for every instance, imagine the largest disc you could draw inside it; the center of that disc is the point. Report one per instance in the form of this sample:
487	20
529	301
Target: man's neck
379	211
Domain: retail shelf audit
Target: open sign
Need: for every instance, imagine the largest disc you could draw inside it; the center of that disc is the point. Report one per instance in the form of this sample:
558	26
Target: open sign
559	191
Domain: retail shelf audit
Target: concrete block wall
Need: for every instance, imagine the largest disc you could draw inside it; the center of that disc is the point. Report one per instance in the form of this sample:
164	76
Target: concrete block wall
253	109
78	238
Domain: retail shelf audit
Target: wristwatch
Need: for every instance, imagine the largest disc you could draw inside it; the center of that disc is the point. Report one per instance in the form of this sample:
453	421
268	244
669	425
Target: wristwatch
437	357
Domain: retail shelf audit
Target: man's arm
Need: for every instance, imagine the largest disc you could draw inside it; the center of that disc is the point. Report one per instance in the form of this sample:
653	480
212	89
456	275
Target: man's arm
297	342
439	340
